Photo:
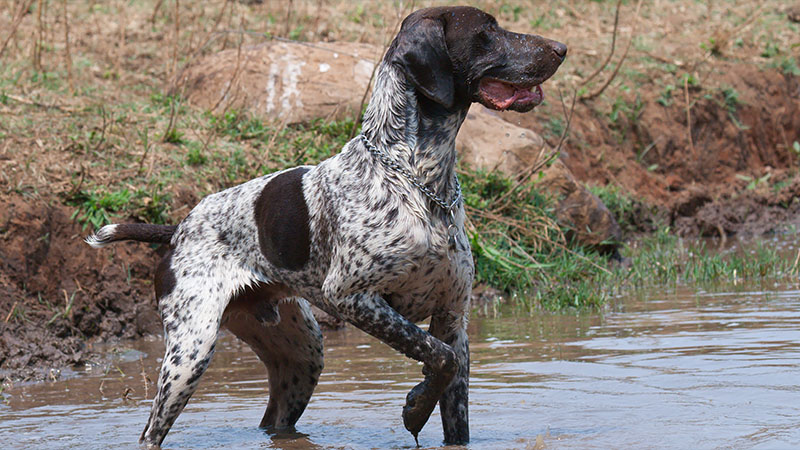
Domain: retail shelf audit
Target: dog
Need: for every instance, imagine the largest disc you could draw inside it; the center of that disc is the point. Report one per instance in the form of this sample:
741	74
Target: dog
373	235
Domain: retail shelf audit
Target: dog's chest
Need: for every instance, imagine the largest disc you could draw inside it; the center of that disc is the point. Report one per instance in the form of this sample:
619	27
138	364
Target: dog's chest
435	282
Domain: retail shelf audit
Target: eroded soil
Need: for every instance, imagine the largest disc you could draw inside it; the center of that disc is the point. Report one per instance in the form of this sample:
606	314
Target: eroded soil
58	295
713	156
738	174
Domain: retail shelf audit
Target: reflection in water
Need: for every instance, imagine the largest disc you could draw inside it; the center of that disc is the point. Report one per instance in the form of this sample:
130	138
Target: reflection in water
679	369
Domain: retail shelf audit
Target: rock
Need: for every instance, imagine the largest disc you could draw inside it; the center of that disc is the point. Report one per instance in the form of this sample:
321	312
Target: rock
793	13
588	219
488	142
295	83
286	82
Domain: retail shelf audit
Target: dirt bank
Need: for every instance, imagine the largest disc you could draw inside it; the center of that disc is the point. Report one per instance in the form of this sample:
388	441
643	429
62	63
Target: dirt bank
737	172
700	126
58	295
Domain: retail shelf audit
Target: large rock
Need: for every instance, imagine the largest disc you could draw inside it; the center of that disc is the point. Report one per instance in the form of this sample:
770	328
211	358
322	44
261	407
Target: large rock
588	219
295	82
285	82
487	141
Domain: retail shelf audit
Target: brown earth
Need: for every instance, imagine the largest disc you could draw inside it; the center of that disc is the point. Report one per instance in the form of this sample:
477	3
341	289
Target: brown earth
737	173
709	186
57	294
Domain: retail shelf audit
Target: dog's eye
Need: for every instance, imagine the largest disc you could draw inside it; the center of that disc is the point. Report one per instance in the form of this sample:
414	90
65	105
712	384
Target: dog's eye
484	38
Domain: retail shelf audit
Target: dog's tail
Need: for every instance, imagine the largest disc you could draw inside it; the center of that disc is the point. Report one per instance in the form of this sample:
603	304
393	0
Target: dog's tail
142	232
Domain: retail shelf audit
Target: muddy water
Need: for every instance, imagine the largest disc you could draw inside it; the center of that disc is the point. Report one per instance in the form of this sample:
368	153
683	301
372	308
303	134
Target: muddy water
668	369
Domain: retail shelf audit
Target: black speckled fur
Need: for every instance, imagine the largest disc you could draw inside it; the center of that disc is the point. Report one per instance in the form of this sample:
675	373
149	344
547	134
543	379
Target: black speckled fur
349	235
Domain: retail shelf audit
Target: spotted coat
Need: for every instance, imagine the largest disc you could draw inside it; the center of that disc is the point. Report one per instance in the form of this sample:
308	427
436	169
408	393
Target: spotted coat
352	236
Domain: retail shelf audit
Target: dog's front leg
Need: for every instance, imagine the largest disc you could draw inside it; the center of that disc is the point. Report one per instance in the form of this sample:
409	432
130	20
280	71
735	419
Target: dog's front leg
372	314
454	404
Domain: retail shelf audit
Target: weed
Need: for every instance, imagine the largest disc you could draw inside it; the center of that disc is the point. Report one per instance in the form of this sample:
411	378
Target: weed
711	46
690	80
554	127
753	183
296	33
239	126
152	206
514	11
65	313
97	208
358	15
731	98
195	155
771	50
789	66
665	259
621	204
665	99
519	247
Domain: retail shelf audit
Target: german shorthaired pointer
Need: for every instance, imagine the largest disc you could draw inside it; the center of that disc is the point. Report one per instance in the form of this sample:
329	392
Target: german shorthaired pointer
374	235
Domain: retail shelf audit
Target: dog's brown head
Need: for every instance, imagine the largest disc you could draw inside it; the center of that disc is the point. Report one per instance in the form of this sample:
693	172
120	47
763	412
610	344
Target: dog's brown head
458	55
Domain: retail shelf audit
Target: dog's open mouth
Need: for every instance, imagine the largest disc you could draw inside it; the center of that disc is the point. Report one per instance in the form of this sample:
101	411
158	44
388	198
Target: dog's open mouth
502	95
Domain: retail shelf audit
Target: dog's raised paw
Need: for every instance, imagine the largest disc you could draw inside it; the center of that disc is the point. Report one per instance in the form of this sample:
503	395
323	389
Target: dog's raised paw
420	403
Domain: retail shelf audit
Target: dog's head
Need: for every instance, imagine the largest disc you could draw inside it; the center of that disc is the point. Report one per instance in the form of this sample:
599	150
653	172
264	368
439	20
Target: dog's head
458	55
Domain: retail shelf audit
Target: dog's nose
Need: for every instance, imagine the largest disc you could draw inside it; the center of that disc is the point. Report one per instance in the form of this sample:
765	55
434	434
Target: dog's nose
559	49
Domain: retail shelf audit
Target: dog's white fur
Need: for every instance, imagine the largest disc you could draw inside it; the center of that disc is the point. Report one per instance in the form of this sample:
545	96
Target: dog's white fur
350	235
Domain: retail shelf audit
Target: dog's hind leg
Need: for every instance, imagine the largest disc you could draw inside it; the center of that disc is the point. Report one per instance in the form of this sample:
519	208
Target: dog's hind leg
451	328
289	343
191	309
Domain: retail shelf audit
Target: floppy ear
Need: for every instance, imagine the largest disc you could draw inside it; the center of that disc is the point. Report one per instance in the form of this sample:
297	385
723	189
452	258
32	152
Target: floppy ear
422	52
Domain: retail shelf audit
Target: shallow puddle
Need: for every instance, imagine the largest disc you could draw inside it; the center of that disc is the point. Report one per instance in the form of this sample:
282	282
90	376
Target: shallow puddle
676	369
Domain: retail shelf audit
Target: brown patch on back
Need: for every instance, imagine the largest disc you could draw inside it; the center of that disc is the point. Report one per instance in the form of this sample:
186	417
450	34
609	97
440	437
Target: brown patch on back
164	281
282	219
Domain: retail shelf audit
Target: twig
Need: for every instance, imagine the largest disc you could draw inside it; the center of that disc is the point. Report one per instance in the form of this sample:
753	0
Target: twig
235	77
67	53
539	163
622	60
14	307
613	46
722	38
40	105
794	266
155	12
15	24
211	33
144	378
272	138
568	116
120	46
173	113
174	64
37	48
688	114
288	18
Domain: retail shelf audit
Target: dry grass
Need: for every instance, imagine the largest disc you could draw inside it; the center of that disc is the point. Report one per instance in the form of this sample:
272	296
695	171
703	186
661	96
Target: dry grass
77	78
83	110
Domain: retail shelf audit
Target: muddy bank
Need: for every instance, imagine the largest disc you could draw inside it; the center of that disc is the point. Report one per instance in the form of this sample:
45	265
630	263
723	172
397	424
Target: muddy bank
58	295
723	162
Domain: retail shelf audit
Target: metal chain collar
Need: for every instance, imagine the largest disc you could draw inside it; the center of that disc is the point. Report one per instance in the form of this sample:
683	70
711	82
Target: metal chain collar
428	192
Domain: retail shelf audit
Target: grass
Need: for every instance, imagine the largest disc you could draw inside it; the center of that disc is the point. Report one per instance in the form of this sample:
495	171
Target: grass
118	148
664	258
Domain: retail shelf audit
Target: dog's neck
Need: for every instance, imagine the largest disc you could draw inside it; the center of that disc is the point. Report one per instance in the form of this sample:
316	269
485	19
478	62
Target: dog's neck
415	132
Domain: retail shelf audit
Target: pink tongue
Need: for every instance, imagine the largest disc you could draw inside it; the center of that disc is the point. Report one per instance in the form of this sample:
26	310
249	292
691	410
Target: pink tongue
498	92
